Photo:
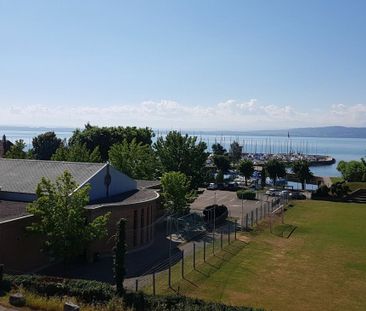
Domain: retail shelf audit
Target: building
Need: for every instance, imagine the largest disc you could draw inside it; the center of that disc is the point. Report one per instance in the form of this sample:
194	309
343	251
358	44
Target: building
111	191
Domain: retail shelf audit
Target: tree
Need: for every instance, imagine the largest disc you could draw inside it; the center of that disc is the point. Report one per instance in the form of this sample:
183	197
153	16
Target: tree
175	192
339	189
16	151
219	177
119	251
275	169
353	170
217	149
77	153
263	177
106	137
235	151
302	171
61	218
183	154
246	168
134	159
45	145
222	162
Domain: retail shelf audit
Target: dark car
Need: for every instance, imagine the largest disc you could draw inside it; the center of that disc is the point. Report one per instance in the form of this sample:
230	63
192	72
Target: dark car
297	196
232	186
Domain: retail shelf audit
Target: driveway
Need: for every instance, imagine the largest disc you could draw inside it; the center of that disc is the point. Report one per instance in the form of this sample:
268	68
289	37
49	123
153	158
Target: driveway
227	198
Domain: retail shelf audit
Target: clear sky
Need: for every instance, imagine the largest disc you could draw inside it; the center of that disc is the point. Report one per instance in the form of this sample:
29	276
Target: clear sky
188	64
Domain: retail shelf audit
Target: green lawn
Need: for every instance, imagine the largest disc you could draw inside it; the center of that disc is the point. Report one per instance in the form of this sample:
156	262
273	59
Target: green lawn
322	266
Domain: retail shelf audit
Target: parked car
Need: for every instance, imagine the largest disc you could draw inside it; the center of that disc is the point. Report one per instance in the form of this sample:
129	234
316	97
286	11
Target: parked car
297	196
272	192
212	186
232	186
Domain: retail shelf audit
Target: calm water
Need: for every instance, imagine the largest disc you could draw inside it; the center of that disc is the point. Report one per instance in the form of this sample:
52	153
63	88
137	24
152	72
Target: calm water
340	148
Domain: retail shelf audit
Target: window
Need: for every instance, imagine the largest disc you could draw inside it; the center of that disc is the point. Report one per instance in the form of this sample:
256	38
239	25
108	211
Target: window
142	227
134	228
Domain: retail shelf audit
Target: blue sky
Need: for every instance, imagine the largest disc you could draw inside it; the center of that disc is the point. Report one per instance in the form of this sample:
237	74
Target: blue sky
183	64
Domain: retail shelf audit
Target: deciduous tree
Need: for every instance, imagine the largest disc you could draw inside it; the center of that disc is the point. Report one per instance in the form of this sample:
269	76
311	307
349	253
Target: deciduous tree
134	159
275	169
302	171
182	153
246	168
61	218
45	145
16	151
175	192
235	151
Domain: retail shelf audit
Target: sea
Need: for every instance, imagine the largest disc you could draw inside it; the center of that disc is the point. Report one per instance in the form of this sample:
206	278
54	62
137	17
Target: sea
346	149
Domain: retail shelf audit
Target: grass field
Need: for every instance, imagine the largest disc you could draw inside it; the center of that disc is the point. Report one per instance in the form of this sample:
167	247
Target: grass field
321	266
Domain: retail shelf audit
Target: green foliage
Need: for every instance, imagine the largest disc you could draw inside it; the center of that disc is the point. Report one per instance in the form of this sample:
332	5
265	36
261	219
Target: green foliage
246	195
339	189
183	154
353	171
119	256
302	171
275	169
134	159
62	219
175	192
106	137
222	162
16	151
263	177
235	151
94	292
77	153
322	191
220	177
218	149
45	145
246	168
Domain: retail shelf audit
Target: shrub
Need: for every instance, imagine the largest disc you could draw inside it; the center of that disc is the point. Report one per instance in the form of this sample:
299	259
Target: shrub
245	195
94	292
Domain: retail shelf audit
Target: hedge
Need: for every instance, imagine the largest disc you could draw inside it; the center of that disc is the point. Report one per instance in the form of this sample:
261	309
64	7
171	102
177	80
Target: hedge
98	292
246	195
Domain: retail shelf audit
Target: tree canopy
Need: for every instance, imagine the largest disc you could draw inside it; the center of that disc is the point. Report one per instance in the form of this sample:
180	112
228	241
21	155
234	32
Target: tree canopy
106	137
353	170
222	162
246	168
45	145
134	159
218	149
175	192
275	169
235	151
76	153
182	153
16	151
302	171
61	218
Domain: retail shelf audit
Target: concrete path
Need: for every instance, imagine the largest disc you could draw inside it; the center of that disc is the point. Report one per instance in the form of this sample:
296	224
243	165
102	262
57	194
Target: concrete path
327	181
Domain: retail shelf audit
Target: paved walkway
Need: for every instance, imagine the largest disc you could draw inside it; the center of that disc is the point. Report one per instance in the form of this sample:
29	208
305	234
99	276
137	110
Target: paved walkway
327	181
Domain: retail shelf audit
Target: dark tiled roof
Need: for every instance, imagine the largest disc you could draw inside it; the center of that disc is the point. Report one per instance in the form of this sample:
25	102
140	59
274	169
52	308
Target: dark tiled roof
23	176
11	210
128	198
145	184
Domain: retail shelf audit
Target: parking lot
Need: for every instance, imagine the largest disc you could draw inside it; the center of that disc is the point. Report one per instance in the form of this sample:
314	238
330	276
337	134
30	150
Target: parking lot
227	198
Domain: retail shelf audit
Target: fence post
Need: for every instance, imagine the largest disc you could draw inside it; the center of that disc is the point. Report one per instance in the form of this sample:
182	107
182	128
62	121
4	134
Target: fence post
252	218
221	239
194	256
228	236
154	288
235	229
246	221
256	215
1	273
183	264
213	242
283	214
137	285
170	276
204	250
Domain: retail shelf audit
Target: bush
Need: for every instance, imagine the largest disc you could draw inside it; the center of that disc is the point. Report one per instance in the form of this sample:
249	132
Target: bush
221	213
98	292
246	195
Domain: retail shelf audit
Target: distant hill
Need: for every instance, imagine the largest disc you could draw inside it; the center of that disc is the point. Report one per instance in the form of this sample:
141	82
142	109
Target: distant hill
327	131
